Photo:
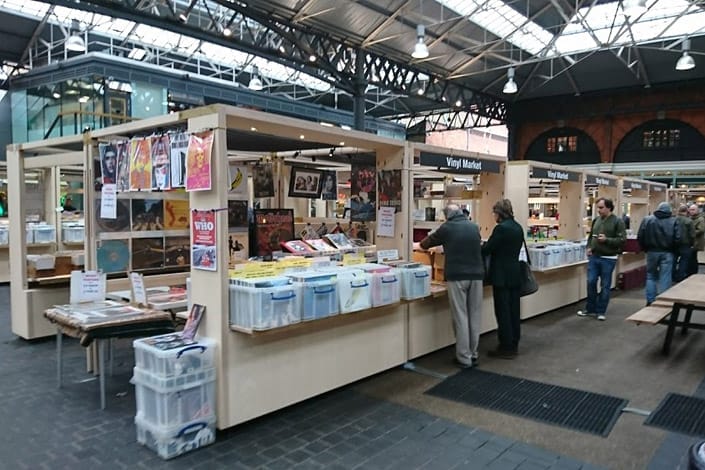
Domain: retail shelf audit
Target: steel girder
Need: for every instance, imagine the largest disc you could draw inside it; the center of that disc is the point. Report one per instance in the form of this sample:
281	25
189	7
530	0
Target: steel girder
313	52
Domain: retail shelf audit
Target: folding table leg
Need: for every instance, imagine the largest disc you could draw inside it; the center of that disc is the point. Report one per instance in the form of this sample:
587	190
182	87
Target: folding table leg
671	328
101	372
686	322
59	357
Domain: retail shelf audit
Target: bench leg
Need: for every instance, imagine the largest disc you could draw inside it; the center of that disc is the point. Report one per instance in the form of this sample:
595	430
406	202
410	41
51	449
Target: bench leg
686	322
671	328
59	357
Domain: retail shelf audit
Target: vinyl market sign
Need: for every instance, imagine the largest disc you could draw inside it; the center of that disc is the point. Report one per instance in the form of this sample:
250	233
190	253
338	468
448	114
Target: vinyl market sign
634	185
551	174
600	180
458	164
657	188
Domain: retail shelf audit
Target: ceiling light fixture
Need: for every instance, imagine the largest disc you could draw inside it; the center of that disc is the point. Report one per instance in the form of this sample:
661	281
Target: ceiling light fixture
255	81
420	49
634	8
75	42
183	16
510	87
227	32
686	61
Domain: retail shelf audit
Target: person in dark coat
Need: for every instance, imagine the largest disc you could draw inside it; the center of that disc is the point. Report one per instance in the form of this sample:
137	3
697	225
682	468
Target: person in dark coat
464	271
503	247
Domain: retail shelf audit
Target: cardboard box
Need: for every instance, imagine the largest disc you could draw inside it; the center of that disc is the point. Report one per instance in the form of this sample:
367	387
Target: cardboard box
439	274
63	264
423	257
439	260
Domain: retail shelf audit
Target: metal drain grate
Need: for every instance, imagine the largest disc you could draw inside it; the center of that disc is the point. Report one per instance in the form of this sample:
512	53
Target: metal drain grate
570	408
679	413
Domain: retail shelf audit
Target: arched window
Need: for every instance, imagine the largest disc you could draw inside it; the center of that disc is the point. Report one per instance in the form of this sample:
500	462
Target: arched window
565	146
661	140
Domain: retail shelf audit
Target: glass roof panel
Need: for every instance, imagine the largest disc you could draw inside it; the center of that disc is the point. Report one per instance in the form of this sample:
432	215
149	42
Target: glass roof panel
503	21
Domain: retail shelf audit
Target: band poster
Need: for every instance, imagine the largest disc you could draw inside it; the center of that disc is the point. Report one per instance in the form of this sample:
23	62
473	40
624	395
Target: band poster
389	185
363	193
203	236
140	164
178	147
161	163
198	161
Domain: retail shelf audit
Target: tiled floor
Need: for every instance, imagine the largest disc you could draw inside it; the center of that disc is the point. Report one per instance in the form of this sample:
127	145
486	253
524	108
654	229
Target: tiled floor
383	422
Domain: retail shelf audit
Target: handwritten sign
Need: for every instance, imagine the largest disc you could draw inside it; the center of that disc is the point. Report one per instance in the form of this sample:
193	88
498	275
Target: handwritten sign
139	292
108	201
385	222
88	286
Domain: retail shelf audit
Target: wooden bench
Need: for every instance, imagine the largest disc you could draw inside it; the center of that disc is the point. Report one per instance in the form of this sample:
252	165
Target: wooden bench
652	314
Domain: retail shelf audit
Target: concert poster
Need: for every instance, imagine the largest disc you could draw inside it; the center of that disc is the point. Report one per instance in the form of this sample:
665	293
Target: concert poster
272	226
178	145
263	180
203	234
161	171
198	161
122	178
363	193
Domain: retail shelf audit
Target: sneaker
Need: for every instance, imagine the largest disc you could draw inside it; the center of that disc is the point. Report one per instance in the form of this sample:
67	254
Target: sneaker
601	317
585	314
462	365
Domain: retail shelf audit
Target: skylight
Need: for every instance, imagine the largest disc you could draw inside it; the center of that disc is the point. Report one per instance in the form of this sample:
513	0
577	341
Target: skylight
503	21
186	46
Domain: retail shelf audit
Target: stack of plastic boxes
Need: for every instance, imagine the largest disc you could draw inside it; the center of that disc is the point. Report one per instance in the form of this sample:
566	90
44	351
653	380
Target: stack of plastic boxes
319	294
264	303
385	281
175	393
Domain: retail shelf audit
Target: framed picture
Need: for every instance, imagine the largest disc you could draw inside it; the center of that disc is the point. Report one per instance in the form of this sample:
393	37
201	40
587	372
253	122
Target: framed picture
305	182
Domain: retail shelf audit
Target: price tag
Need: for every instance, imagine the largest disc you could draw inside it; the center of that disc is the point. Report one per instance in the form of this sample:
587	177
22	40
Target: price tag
139	292
387	255
350	259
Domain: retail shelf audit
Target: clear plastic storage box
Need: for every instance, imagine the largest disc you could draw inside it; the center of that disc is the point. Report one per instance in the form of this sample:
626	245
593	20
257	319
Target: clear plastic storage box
319	299
386	287
44	233
73	233
261	304
415	282
354	291
169	442
176	361
163	403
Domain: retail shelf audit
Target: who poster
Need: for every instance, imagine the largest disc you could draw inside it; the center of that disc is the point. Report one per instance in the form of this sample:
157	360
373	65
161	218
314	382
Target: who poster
203	235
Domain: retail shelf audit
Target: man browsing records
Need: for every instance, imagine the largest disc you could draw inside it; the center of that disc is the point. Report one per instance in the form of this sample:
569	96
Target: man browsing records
464	271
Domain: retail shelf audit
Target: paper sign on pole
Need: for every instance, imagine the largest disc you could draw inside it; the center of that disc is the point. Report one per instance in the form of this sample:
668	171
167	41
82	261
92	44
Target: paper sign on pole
385	222
139	292
108	201
88	286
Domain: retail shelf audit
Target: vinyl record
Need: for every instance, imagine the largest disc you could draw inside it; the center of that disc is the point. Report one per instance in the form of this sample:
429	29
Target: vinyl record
119	224
113	256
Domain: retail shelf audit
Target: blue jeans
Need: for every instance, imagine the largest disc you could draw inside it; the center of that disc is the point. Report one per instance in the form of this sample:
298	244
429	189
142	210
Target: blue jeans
659	267
601	268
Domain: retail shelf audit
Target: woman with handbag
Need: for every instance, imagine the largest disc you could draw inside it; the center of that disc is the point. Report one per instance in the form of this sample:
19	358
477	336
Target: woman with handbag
503	248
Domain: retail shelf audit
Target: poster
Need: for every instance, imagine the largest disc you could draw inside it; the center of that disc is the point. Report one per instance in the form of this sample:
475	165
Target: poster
203	234
363	192
329	186
122	177
272	226
178	145
198	161
263	180
108	163
389	185
161	171
176	214
140	164
237	248
238	181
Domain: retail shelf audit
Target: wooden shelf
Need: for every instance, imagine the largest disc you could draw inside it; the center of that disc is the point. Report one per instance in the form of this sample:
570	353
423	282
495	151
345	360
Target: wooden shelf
73	243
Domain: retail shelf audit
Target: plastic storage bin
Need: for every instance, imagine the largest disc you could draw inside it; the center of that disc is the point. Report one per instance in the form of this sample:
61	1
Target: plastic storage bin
386	288
415	282
44	233
169	442
176	361
4	236
319	299
354	291
264	303
73	233
163	403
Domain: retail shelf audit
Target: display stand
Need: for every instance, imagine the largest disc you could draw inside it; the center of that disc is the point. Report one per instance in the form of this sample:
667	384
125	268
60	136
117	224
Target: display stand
467	179
560	284
634	202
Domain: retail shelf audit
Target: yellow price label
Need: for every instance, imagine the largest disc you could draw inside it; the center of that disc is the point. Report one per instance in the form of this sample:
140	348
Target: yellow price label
350	259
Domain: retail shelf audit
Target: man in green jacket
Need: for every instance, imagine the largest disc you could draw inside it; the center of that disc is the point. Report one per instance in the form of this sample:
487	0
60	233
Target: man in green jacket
605	243
684	254
699	244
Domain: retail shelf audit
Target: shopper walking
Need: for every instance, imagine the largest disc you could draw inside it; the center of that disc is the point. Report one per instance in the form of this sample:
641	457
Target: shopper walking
503	248
464	272
659	236
699	244
684	251
605	243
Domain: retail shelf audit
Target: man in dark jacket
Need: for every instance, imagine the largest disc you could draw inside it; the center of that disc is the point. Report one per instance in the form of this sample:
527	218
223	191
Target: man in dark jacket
503	247
659	236
605	242
464	271
684	252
